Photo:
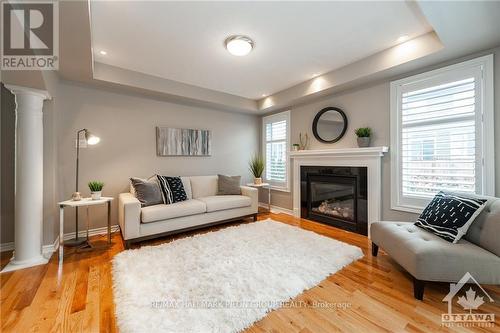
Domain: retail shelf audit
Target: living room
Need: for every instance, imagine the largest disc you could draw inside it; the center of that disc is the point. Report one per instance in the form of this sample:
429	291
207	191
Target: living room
250	166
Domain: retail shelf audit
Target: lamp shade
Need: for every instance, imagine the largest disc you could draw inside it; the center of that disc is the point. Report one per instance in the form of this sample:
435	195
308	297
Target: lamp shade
91	138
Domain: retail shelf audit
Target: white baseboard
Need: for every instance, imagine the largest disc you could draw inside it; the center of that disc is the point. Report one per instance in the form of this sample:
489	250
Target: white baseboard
6	246
47	250
50	248
276	209
92	232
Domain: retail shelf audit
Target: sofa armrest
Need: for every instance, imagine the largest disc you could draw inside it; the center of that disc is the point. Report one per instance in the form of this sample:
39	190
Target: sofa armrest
129	215
253	193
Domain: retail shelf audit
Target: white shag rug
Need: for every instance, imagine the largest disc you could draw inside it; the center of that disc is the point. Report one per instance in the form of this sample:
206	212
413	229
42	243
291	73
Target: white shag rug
221	281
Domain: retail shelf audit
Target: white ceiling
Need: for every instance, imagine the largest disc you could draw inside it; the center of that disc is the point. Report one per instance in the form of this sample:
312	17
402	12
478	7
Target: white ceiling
183	41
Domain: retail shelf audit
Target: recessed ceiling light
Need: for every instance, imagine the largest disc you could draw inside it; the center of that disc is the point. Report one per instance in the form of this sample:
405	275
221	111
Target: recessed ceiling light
103	52
264	95
403	38
315	74
239	45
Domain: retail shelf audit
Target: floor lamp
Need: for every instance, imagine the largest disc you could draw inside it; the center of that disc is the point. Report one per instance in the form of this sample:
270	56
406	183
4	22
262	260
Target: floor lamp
90	139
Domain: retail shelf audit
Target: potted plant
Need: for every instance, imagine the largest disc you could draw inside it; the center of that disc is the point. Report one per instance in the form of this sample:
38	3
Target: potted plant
256	166
364	134
95	189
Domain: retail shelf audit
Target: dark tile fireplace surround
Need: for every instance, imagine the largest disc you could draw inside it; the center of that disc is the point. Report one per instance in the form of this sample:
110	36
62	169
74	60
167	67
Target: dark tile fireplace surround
336	196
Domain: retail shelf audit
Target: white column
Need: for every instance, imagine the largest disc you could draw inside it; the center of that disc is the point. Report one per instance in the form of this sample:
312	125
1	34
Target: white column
28	227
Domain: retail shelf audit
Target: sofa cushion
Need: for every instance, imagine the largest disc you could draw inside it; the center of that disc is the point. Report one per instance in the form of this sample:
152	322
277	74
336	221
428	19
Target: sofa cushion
449	215
228	185
186	182
222	202
177	209
203	186
486	228
431	258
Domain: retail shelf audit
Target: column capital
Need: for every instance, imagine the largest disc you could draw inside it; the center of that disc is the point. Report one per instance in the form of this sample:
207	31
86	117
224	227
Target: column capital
20	90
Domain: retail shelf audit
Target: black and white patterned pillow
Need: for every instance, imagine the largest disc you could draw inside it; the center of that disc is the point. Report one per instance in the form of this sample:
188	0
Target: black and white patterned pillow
172	189
449	215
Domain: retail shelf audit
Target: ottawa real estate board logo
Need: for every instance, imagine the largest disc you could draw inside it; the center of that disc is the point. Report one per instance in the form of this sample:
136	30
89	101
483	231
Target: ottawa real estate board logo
464	301
30	35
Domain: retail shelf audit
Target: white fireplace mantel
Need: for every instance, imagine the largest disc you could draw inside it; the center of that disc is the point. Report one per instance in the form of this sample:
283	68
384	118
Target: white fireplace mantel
371	158
368	152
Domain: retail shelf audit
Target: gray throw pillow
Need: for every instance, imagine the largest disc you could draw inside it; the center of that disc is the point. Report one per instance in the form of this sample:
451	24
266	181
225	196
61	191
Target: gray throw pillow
228	185
147	191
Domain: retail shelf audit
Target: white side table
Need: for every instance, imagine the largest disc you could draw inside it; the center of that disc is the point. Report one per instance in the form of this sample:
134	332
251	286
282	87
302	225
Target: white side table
85	202
264	185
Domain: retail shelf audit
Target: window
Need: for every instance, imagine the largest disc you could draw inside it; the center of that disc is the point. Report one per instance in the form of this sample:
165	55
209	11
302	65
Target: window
442	133
276	140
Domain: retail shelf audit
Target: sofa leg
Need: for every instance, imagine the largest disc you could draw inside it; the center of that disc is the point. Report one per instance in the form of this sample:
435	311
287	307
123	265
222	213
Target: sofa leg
127	244
418	289
255	217
374	249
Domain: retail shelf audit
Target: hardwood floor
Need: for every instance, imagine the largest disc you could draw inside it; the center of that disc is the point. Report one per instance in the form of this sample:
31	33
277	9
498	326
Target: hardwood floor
376	292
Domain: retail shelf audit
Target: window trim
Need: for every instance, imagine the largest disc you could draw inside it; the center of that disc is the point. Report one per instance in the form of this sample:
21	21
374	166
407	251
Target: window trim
486	100
267	119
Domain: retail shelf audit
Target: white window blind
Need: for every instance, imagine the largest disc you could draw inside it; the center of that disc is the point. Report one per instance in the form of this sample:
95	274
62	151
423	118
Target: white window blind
440	134
439	139
276	143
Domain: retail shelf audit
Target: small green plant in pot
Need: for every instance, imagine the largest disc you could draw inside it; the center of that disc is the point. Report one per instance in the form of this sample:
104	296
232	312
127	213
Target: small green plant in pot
364	135
96	189
256	166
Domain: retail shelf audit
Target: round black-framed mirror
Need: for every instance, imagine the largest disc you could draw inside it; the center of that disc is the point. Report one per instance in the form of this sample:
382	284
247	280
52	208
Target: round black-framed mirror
329	125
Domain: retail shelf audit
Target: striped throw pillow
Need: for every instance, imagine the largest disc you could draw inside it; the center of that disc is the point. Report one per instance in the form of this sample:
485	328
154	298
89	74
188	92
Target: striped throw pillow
172	189
449	215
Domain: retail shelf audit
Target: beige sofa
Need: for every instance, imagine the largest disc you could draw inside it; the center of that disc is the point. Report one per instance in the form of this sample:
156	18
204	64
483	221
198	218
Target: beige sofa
203	207
428	257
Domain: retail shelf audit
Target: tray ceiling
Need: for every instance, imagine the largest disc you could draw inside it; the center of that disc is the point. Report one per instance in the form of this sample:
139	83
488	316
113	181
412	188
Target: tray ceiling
183	41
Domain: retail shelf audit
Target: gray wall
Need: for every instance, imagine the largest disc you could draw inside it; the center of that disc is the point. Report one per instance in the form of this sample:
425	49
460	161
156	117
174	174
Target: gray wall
7	124
126	125
50	164
369	106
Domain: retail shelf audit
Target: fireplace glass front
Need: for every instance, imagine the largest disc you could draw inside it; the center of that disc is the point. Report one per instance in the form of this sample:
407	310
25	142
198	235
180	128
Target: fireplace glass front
335	196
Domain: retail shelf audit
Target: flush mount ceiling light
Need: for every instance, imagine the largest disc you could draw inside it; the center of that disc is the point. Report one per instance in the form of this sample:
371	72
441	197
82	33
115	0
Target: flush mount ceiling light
103	52
239	45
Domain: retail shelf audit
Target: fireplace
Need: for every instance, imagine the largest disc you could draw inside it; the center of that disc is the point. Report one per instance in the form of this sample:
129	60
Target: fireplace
336	196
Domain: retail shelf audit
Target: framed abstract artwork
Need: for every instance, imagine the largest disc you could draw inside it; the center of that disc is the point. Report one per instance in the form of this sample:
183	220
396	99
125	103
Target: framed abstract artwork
183	142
